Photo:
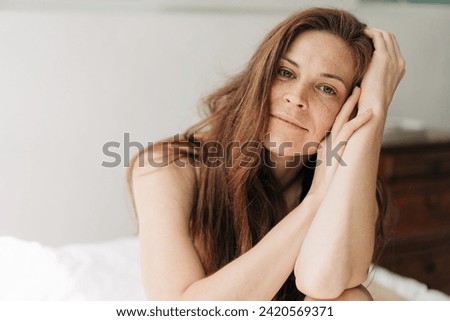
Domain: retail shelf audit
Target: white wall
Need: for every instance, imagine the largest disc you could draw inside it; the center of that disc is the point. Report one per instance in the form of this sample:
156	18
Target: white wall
73	80
423	33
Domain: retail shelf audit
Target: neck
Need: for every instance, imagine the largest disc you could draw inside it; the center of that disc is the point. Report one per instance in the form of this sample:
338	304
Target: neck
285	169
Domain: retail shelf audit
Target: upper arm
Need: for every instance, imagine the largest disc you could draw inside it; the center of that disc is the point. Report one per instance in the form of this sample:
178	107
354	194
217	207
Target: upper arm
163	199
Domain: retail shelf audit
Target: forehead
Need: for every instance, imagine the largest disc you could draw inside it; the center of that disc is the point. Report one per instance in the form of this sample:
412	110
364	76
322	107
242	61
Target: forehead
322	52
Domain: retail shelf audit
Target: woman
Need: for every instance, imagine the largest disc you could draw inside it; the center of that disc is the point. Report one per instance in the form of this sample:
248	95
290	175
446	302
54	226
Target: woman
273	195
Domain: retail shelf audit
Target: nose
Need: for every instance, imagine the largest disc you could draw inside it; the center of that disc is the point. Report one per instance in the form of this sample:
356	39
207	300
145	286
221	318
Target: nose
297	96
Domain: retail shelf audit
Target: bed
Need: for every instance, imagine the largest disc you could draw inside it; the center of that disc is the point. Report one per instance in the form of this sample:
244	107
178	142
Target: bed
110	271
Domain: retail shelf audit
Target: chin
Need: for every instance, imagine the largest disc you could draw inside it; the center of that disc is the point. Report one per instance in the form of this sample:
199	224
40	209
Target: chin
281	143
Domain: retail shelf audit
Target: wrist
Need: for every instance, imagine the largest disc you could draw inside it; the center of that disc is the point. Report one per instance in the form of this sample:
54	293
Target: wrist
377	120
379	110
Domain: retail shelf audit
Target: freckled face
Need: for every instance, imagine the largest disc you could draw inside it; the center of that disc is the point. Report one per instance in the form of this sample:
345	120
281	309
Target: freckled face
312	83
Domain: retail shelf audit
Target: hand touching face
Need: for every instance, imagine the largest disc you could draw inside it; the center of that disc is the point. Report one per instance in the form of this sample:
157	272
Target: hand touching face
313	81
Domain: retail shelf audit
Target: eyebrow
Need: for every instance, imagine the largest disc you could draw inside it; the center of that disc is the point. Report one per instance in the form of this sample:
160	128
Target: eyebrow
324	74
332	76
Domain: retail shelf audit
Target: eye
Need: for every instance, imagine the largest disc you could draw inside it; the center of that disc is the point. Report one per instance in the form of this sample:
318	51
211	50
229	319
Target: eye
327	90
285	73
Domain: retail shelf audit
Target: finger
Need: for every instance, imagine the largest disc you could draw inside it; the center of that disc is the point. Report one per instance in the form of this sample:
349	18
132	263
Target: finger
395	46
377	38
388	42
400	59
340	141
351	126
346	110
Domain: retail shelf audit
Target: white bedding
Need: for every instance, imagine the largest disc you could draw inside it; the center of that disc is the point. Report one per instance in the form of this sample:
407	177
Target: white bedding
110	271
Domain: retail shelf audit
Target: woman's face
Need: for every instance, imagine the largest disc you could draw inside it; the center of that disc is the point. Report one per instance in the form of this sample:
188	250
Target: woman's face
312	83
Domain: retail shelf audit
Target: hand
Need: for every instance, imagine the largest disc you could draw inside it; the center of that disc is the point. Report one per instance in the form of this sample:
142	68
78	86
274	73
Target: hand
332	147
384	73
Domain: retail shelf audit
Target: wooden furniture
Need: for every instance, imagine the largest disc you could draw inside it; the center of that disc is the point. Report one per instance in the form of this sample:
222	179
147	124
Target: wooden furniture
416	167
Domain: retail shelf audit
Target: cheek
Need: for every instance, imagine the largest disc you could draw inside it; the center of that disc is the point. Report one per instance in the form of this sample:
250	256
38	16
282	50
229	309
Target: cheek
325	118
330	118
275	94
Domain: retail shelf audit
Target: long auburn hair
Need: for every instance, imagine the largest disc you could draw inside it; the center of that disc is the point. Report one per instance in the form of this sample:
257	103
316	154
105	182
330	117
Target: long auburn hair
235	206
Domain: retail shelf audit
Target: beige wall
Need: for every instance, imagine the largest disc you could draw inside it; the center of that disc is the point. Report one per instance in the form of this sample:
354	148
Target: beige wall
73	80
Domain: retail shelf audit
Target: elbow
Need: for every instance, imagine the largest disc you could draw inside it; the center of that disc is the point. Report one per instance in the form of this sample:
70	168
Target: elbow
317	283
319	287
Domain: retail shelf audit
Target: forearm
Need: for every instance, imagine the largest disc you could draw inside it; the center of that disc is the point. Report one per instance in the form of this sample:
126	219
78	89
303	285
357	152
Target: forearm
259	273
338	247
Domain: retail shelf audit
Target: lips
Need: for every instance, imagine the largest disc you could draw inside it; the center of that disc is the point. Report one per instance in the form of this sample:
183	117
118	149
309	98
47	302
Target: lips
289	120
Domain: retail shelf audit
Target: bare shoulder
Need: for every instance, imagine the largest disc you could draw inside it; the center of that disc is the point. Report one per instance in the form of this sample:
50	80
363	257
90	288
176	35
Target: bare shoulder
161	178
161	158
